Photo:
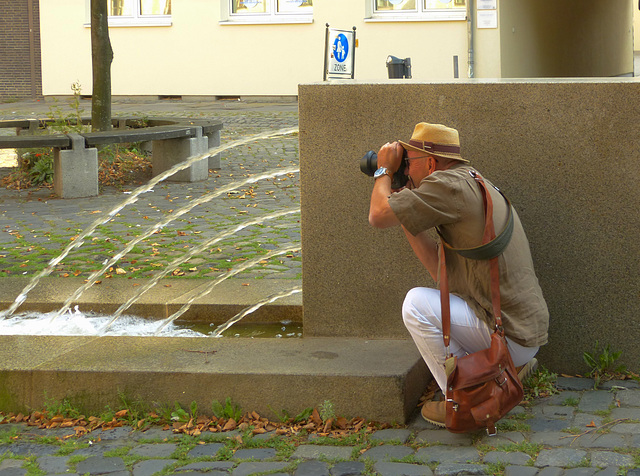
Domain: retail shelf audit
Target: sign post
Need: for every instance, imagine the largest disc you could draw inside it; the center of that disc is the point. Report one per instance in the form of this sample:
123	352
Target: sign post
339	53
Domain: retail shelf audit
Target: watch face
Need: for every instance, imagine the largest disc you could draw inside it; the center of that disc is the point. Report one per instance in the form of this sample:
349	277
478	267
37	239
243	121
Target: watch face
380	172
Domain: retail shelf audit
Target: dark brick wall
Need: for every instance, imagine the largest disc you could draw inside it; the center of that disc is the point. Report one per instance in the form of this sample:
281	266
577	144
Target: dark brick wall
15	52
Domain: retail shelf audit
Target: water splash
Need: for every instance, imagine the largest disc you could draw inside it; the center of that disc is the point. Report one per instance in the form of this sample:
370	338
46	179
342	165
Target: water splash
223	327
178	261
132	199
220	279
162	223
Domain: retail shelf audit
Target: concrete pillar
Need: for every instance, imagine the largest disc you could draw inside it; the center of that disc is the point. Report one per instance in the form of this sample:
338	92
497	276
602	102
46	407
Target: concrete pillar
167	153
75	171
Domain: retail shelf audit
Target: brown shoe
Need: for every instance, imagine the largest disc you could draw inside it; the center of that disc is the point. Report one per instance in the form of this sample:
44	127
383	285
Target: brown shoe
435	412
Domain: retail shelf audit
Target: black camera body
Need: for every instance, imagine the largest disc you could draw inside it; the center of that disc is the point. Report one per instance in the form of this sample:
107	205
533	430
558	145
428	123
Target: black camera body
369	164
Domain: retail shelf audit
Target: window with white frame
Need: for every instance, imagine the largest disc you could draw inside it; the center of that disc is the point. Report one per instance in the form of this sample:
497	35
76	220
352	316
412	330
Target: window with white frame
267	11
417	10
139	12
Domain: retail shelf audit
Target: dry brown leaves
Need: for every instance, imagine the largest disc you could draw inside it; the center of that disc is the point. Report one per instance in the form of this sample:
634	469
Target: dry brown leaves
253	422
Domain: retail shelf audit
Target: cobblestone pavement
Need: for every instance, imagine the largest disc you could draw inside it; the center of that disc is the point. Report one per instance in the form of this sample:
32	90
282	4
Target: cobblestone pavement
577	432
35	226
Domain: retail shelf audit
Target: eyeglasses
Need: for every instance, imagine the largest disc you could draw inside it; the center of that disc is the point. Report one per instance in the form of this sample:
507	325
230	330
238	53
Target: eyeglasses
407	159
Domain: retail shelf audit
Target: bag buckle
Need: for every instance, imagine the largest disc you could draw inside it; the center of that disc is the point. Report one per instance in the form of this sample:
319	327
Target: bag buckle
455	404
495	432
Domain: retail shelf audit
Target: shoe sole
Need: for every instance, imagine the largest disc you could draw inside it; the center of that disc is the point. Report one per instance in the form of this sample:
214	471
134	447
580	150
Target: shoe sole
528	369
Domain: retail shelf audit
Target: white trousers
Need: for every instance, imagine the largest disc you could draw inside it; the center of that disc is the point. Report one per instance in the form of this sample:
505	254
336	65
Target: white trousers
422	317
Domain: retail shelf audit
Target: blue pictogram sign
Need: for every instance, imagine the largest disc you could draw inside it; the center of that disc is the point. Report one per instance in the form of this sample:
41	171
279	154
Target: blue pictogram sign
340	48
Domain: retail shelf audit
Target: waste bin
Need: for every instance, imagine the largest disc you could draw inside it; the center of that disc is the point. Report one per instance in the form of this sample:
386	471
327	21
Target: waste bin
398	68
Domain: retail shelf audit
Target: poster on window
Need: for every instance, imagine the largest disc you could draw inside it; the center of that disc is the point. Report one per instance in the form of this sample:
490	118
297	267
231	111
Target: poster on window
339	61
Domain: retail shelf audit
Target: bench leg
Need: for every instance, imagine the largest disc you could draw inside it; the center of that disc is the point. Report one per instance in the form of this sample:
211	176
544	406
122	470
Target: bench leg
75	173
214	141
169	152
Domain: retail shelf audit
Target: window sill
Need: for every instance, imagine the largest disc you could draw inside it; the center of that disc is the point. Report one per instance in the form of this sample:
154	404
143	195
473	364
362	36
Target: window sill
448	16
135	23
264	21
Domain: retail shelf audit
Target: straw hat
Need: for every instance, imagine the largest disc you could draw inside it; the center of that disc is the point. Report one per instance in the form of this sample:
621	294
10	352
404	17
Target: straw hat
436	139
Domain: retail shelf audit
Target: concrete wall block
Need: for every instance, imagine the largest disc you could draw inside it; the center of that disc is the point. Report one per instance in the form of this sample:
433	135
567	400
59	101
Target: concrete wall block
75	173
566	154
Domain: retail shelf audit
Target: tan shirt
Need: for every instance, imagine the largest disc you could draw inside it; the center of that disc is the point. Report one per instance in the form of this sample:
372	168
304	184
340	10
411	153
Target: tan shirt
451	199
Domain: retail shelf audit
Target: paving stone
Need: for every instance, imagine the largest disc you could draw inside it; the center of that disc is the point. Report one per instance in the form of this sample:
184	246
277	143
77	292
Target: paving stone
606	440
206	466
554	411
631	413
633	472
512	458
11	463
551	471
53	464
25	449
559	398
625	428
154	450
210	449
579	472
312	468
520	471
246	469
322	451
629	397
602	459
386	453
100	465
255	453
98	449
503	439
151	466
610	471
389	435
581	420
546	424
440	454
443	437
561	457
13	472
208	473
598	400
385	468
347	468
154	433
115	433
552	438
452	469
628	384
567	383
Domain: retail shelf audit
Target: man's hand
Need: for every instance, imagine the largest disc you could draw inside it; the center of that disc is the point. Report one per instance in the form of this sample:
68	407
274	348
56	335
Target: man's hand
390	156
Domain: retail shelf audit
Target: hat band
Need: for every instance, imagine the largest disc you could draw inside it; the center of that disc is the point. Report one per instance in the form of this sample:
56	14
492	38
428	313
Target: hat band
431	147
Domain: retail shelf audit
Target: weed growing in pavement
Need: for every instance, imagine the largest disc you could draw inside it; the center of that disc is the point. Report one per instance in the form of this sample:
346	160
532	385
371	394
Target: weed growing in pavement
601	363
570	402
542	383
326	411
229	410
32	467
64	408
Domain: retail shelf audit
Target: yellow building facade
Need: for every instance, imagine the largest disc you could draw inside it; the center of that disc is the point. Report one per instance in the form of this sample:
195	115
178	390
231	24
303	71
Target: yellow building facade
229	48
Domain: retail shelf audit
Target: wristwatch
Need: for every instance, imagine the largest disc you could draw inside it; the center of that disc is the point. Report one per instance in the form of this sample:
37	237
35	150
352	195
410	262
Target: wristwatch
380	172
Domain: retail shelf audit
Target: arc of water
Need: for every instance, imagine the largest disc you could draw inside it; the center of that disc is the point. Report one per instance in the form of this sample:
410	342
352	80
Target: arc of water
132	199
246	265
223	327
150	230
178	261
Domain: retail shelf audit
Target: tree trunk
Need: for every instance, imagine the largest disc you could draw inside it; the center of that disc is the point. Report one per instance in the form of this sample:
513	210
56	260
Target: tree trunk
101	58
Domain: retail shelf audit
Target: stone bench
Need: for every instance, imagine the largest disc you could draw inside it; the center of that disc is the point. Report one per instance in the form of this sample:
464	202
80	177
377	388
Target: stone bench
76	155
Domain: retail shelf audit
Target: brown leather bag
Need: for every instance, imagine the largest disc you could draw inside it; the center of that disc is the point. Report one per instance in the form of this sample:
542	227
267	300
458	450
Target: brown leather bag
481	387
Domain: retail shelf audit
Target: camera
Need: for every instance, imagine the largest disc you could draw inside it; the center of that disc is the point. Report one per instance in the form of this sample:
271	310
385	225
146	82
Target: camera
369	164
